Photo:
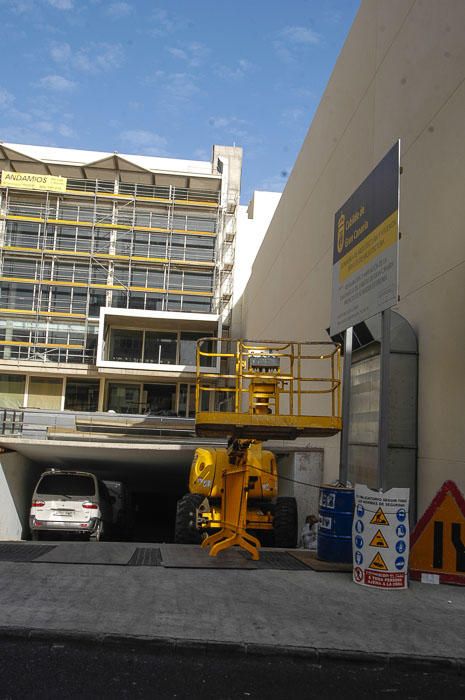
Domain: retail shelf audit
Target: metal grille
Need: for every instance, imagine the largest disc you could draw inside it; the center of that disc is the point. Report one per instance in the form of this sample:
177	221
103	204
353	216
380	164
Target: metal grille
281	561
145	556
23	552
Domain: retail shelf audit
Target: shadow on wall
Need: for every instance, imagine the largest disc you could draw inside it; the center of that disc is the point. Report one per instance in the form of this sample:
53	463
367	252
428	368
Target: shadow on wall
18	477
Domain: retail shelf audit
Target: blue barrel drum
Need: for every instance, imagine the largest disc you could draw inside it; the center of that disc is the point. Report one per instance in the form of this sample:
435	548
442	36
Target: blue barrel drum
335	524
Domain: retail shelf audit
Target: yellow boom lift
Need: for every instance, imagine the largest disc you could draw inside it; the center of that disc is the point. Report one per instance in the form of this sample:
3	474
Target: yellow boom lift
249	392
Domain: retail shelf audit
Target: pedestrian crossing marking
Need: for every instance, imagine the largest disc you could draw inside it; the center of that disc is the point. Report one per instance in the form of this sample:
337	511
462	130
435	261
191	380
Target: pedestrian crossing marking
378	563
379	540
379	518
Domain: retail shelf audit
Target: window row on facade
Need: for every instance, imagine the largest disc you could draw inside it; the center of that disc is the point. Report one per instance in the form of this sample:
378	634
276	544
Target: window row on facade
118	215
96	272
37	236
140	190
79	300
55	393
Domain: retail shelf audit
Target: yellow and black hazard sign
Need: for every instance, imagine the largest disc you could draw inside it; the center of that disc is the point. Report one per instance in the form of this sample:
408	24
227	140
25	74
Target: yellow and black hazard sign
378	563
379	518
379	540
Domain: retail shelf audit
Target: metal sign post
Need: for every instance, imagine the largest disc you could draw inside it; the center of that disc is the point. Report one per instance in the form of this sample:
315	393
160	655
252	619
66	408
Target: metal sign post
344	453
383	416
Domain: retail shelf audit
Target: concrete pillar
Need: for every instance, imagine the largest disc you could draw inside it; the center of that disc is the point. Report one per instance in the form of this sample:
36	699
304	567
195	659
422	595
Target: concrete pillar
301	474
18	477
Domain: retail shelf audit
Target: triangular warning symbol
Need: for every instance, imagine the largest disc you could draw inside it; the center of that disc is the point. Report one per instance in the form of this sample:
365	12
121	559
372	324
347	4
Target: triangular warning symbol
379	540
379	518
432	543
378	563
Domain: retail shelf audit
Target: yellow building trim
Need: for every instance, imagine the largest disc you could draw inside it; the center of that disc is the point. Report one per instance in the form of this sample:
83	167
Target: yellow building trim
110	226
66	283
41	345
106	256
29	312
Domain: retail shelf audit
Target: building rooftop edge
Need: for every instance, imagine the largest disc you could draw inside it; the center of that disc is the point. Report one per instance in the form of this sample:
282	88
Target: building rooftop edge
80	157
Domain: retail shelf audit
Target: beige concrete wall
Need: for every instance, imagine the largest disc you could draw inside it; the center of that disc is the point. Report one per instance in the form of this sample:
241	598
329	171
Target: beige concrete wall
400	75
18	477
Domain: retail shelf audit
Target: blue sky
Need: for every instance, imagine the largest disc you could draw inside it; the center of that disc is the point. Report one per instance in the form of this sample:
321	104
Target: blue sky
170	78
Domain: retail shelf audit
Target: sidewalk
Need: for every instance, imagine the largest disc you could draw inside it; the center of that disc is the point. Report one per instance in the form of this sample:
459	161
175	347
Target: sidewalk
304	612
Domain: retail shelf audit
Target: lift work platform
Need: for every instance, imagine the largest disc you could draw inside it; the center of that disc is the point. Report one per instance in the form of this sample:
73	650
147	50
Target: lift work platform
268	390
250	392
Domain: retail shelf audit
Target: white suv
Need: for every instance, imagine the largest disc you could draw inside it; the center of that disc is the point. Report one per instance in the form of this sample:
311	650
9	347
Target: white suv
70	502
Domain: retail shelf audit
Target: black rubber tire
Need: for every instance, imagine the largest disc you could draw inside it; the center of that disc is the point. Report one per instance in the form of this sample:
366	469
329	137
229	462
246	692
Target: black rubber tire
185	530
97	536
285	522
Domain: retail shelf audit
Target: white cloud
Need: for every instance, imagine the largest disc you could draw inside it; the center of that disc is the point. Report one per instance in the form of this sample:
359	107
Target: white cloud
145	142
293	114
194	53
20	6
234	128
61	4
301	35
60	52
234	72
117	10
6	98
98	57
56	83
181	86
291	41
65	130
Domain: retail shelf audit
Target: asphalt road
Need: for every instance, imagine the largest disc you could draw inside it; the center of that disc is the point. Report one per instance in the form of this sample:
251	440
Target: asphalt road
38	668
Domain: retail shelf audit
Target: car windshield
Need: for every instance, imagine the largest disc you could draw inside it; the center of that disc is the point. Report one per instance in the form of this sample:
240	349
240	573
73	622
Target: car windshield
66	485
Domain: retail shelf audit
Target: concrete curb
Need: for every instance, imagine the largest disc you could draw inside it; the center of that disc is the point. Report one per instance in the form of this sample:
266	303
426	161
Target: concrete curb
184	646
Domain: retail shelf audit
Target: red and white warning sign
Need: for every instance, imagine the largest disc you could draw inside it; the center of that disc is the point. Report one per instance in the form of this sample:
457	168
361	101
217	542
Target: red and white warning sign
380	537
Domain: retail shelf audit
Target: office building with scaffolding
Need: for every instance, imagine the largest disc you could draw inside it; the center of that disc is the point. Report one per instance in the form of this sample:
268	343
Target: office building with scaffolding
111	267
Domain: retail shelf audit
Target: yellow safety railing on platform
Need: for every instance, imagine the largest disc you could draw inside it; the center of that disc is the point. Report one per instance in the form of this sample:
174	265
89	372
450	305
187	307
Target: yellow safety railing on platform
269	384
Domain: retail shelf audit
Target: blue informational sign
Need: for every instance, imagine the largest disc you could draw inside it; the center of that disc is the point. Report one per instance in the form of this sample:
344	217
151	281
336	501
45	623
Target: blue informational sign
401	515
365	249
380	537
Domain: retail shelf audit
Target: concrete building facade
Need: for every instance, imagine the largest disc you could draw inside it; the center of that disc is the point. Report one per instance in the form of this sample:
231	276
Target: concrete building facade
111	267
401	74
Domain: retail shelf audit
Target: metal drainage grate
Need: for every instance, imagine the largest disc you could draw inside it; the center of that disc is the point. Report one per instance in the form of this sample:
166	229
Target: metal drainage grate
23	552
280	561
145	556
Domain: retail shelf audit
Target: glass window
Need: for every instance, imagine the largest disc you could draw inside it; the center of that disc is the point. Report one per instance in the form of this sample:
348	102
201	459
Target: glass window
123	244
45	392
96	300
137	300
196	304
119	299
160	347
124	398
188	349
161	399
153	301
12	390
81	395
66	484
16	296
125	345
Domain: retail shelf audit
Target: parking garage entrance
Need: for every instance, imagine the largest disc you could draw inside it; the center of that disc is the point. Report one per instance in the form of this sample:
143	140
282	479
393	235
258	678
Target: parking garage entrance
155	476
